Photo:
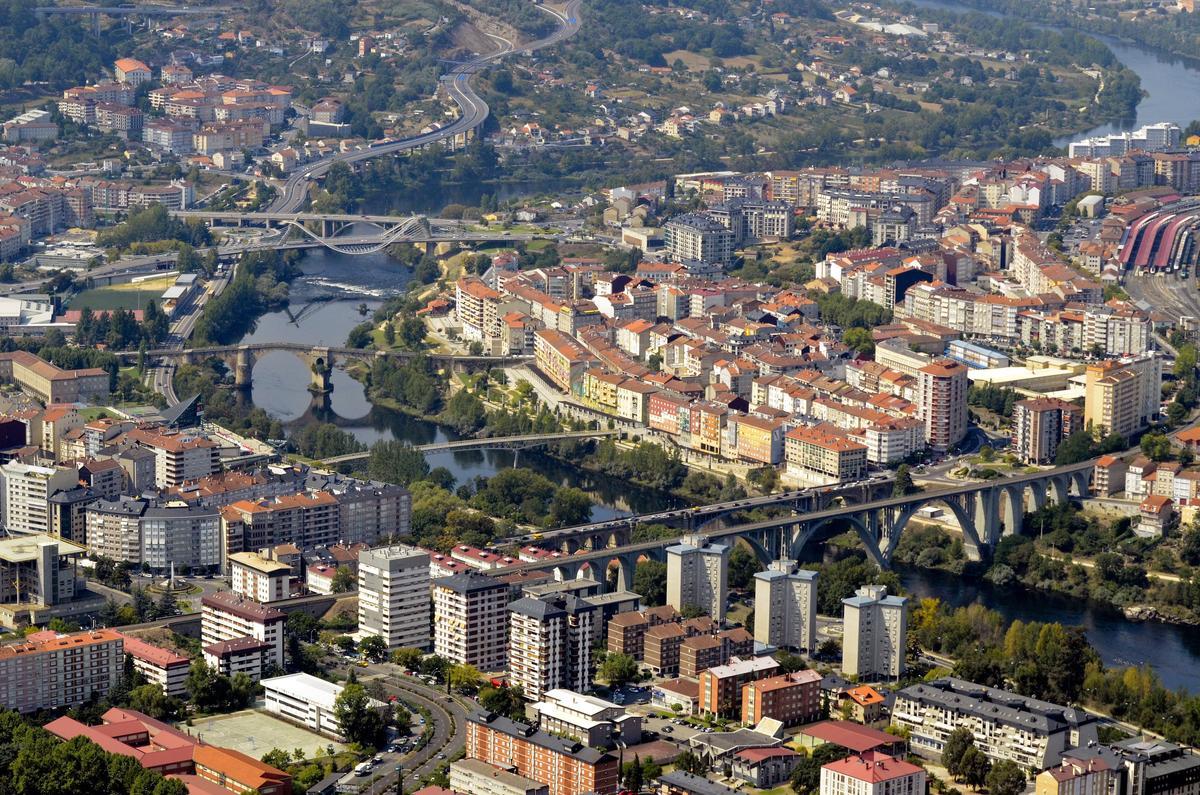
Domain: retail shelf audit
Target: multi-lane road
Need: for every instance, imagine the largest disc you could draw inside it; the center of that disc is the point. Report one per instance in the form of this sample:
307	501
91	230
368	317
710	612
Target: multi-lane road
473	111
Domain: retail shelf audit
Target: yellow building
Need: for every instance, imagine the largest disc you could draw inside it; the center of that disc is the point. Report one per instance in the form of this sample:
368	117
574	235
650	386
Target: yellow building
560	358
1123	396
759	440
600	389
1075	777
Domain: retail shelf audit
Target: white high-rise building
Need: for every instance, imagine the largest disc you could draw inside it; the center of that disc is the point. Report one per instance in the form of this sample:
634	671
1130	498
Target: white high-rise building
785	606
393	595
27	490
550	644
697	575
875	633
470	620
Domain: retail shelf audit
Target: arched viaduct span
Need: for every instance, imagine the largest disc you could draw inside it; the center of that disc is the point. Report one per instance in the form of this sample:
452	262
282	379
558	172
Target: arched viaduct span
986	512
321	360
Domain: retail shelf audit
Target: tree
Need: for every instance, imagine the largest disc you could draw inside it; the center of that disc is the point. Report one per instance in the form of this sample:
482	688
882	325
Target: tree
343	581
407	657
1005	778
688	762
956	746
618	670
650	580
206	687
397	462
743	565
464	678
974	767
568	507
374	648
277	758
359	722
151	700
859	339
508	701
1156	446
904	483
631	775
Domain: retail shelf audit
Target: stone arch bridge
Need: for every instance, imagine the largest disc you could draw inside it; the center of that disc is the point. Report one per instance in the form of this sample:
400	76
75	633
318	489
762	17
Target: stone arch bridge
321	360
986	512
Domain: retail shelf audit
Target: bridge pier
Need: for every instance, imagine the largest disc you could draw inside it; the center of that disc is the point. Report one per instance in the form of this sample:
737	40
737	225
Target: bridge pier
243	369
321	366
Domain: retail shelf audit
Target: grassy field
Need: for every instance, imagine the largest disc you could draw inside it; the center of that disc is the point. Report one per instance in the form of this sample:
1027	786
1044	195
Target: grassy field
134	295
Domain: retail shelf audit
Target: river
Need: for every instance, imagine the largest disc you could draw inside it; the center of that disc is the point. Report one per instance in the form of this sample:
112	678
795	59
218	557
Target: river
281	380
1166	79
1171	649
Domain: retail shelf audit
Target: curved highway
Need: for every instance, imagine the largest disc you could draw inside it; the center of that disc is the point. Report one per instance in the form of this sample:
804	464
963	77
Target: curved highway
473	111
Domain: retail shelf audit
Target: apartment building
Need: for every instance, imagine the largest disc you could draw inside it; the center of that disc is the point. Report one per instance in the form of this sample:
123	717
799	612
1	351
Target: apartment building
178	457
875	633
393	595
698	575
470	620
698	238
132	71
590	720
155	534
477	308
27	491
785	606
706	650
815	454
160	666
1092	776
307	519
872	773
721	686
50	671
663	643
560	358
1040	425
247	656
550	644
942	402
791	699
226	616
480	778
259	578
1123	395
567	767
1030	732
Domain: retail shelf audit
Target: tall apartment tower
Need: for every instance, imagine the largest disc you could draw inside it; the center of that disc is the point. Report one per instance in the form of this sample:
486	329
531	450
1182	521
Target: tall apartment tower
1123	395
393	595
470	620
785	606
942	402
550	644
875	633
697	575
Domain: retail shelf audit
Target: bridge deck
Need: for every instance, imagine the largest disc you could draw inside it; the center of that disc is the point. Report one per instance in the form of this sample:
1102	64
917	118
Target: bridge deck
470	444
605	555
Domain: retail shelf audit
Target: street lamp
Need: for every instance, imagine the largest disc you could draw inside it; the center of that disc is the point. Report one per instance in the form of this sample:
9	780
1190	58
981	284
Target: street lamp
399	779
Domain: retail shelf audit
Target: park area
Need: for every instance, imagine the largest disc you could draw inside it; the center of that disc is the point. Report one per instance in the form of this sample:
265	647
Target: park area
254	733
131	295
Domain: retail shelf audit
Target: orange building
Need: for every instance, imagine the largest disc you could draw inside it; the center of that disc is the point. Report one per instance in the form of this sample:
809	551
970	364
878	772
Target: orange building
565	766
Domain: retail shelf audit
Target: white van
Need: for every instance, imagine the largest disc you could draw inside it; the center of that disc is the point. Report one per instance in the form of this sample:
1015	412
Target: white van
362	768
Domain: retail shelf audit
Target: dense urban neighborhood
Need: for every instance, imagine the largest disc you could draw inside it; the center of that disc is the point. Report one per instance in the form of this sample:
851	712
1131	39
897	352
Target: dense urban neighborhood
620	397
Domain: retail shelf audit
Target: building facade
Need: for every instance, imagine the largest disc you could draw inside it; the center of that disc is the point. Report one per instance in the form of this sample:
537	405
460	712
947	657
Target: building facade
875	633
393	595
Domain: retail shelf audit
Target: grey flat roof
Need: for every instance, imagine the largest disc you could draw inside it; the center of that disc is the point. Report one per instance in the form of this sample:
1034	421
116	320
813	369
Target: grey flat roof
999	705
695	784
